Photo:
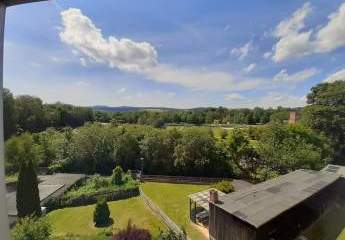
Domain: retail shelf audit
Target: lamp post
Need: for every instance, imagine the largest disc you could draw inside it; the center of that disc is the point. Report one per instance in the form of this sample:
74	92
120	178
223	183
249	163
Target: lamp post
4	224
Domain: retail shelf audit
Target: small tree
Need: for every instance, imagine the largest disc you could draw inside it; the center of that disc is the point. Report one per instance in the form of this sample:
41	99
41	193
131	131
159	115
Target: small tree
32	229
28	200
132	233
101	215
171	235
117	176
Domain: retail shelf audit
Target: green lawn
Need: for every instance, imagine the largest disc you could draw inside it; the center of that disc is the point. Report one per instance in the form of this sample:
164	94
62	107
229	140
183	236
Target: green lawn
78	220
173	200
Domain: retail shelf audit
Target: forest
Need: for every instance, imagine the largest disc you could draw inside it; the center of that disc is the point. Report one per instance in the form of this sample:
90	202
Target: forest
255	152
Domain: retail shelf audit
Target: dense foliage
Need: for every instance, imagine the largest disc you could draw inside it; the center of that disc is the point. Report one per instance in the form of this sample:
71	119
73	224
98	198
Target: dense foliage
191	151
28	113
224	186
132	233
198	116
326	113
28	199
32	229
171	235
116	178
101	214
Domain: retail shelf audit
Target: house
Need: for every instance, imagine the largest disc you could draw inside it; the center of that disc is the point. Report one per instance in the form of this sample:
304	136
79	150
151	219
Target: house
49	186
279	208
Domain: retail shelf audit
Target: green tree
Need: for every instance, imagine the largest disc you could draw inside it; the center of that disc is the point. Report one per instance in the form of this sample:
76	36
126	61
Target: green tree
28	200
32	229
240	152
20	149
101	214
326	113
116	178
285	148
10	115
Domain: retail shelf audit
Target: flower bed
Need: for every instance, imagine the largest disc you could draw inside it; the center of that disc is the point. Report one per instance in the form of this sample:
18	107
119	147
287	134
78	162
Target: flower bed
93	188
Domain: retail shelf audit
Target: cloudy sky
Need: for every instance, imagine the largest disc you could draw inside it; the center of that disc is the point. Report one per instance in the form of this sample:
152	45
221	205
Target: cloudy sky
174	53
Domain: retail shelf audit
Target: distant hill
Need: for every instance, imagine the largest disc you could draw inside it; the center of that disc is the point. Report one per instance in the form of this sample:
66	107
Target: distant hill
133	109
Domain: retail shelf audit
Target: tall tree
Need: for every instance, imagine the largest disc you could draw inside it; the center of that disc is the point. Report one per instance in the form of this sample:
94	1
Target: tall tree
28	200
10	117
326	113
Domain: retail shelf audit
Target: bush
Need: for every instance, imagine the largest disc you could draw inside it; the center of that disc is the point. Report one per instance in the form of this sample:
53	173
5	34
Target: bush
132	233
32	229
171	235
224	186
117	176
99	182
101	214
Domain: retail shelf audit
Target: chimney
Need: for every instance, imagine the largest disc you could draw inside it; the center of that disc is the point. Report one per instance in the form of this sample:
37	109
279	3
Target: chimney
213	196
293	117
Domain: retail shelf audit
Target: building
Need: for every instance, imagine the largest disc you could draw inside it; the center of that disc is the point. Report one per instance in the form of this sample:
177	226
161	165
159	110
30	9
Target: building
293	117
276	209
49	186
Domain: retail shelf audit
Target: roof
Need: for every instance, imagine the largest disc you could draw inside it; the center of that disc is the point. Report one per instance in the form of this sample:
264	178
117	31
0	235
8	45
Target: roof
202	198
48	185
261	203
340	170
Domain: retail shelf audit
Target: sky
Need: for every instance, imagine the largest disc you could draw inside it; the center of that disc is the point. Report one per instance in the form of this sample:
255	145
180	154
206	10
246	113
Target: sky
183	54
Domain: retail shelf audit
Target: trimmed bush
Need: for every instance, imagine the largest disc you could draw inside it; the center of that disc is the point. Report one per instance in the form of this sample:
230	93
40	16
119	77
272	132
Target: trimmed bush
32	229
101	214
132	233
224	186
116	178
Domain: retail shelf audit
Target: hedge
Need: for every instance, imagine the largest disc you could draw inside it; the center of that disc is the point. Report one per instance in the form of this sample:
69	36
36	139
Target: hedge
92	198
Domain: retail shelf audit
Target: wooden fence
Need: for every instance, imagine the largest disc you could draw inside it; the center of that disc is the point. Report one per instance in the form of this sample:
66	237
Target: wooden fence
155	209
181	179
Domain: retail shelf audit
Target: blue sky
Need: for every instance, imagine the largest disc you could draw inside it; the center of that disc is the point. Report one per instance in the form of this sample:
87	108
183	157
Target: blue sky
174	53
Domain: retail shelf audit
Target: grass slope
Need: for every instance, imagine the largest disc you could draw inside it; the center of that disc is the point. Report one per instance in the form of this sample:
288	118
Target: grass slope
79	220
173	200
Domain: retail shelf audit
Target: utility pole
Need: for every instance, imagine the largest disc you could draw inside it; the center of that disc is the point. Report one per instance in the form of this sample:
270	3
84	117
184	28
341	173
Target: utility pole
4	223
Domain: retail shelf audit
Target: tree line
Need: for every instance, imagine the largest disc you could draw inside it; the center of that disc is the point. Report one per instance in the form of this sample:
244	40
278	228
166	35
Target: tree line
199	116
26	113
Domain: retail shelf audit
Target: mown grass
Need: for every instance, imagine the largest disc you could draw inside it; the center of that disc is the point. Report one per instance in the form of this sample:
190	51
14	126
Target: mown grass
79	220
173	200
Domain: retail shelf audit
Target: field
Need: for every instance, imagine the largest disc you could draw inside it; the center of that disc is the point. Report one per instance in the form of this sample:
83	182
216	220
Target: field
78	220
173	200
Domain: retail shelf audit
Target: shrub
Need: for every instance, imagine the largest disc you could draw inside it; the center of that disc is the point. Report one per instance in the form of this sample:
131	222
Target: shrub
32	229
224	186
116	178
132	233
171	235
99	182
101	214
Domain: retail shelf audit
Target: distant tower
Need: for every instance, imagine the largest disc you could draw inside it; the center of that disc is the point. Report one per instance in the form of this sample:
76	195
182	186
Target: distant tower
293	117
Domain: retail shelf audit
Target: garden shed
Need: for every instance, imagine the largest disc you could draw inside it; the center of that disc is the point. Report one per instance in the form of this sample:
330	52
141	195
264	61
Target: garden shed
276	209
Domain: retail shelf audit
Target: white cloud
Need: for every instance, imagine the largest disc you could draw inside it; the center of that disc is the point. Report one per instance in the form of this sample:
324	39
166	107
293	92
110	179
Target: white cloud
83	62
284	76
242	52
82	35
332	35
275	99
80	32
267	55
121	90
340	75
234	97
294	41
250	67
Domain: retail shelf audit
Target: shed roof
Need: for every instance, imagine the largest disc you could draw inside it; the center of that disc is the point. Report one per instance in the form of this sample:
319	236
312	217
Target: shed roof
261	203
201	198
